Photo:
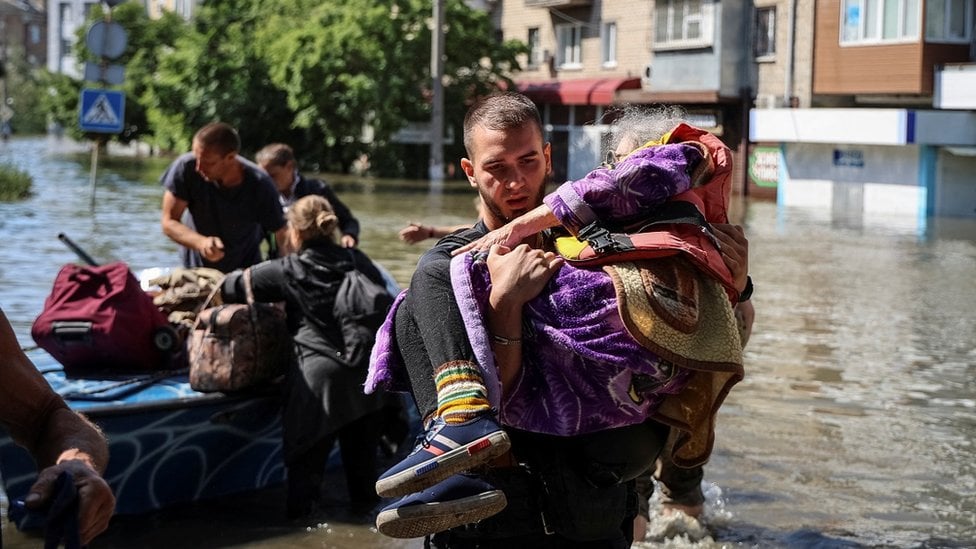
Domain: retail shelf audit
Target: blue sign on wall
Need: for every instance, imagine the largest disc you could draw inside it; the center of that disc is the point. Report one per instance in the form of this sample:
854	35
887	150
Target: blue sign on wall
102	111
852	158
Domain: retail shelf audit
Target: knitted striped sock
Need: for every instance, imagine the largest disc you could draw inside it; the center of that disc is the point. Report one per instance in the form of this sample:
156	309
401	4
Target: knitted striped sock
461	392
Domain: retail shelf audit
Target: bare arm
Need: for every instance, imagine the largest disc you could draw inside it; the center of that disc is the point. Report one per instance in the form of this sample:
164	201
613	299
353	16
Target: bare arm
417	232
517	275
515	231
58	438
210	247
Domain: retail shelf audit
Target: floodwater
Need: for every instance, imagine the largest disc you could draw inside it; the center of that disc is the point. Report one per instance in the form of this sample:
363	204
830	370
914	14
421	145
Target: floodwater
854	426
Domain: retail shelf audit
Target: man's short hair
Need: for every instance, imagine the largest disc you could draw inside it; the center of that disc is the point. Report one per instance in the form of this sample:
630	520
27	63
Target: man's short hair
501	111
219	137
275	154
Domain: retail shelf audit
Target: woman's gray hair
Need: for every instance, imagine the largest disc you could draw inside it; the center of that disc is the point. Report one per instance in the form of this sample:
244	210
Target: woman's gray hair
642	124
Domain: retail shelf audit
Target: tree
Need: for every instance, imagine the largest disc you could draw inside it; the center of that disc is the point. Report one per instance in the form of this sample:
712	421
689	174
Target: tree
333	79
350	65
25	86
214	73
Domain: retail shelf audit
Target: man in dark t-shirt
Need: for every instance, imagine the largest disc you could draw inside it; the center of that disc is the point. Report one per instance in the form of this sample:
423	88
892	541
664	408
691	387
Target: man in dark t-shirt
231	203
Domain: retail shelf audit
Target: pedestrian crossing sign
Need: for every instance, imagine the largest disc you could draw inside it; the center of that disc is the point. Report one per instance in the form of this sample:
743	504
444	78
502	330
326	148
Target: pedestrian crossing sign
102	111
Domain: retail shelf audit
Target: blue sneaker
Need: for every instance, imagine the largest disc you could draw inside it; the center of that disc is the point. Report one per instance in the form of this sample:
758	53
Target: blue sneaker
446	449
460	499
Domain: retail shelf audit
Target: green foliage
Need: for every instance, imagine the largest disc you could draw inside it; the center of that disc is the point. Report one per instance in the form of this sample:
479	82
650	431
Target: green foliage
24	93
14	184
59	100
317	75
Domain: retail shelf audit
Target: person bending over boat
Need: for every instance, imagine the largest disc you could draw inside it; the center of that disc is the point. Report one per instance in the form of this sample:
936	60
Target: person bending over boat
324	400
232	203
58	438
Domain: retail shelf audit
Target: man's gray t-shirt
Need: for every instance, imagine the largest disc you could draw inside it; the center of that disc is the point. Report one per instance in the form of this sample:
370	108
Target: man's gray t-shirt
239	216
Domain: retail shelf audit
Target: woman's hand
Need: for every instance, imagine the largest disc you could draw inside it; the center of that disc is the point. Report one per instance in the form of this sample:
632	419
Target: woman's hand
515	231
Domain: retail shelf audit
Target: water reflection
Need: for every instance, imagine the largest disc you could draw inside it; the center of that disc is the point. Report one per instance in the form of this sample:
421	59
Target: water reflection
853	427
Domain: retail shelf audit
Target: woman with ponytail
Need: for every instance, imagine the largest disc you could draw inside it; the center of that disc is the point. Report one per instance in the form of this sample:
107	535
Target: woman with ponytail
324	401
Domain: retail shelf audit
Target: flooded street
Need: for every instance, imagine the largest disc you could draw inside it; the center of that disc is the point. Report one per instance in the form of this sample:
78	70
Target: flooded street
854	426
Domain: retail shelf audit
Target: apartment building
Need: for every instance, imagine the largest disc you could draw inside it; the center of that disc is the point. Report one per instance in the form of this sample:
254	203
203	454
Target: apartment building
22	32
883	119
64	17
183	8
587	56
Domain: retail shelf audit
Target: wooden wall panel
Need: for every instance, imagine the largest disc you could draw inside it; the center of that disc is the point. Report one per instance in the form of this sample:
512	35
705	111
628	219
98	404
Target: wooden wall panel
837	69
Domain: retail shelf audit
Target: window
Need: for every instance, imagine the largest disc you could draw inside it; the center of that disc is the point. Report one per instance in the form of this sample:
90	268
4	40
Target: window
765	39
876	21
35	34
608	41
568	54
683	24
948	20
535	47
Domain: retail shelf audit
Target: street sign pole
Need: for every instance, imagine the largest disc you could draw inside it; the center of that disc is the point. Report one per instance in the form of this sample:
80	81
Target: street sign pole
94	170
102	110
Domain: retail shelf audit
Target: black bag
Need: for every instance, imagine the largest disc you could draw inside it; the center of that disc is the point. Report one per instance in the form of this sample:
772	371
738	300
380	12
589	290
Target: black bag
360	309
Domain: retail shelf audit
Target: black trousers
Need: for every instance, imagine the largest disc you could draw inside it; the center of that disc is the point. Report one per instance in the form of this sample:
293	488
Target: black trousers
358	446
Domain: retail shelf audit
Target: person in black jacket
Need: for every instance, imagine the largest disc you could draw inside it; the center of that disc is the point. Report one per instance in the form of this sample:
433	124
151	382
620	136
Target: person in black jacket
324	399
278	159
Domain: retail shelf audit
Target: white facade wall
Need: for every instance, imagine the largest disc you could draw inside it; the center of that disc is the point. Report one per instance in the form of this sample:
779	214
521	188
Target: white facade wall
853	179
64	18
955	192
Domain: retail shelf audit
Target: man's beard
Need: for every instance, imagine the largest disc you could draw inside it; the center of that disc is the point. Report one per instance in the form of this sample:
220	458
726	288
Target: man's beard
496	211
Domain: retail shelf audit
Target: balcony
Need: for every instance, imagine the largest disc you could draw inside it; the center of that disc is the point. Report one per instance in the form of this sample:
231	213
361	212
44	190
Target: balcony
955	86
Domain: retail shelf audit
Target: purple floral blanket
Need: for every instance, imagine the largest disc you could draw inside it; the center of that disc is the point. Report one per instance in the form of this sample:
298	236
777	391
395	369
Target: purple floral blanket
581	372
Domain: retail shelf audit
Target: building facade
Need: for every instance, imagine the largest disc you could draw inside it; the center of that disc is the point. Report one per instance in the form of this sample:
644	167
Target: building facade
889	132
23	32
589	56
64	18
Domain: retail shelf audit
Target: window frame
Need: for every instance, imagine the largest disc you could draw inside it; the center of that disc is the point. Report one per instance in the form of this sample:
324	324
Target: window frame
866	26
535	59
575	33
769	53
705	20
945	36
608	44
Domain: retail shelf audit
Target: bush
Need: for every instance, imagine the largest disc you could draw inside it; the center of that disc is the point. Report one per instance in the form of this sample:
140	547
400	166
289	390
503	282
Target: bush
14	184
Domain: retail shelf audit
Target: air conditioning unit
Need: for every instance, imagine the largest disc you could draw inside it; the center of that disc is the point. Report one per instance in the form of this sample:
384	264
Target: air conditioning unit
766	101
646	77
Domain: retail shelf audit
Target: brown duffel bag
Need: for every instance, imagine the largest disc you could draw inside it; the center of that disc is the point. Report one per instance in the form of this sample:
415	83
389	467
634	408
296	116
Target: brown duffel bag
235	346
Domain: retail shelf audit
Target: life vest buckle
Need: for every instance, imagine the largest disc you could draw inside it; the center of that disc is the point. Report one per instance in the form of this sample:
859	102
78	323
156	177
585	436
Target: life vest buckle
599	238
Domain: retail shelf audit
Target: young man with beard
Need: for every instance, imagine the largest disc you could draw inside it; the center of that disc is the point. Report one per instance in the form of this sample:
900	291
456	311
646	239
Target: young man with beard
570	488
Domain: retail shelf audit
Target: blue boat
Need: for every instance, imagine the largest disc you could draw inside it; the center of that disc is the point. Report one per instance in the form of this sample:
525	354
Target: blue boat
168	444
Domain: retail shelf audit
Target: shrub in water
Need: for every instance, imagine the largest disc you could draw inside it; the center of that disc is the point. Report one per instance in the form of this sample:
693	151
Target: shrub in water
14	184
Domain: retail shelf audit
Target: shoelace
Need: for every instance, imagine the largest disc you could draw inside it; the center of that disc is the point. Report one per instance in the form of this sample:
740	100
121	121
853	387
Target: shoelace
428	437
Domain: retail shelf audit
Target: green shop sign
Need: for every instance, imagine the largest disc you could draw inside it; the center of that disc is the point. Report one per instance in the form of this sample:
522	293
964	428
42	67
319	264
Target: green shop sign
764	166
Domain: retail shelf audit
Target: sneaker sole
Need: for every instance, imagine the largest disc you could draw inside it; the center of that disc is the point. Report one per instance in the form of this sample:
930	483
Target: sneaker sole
439	468
417	521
